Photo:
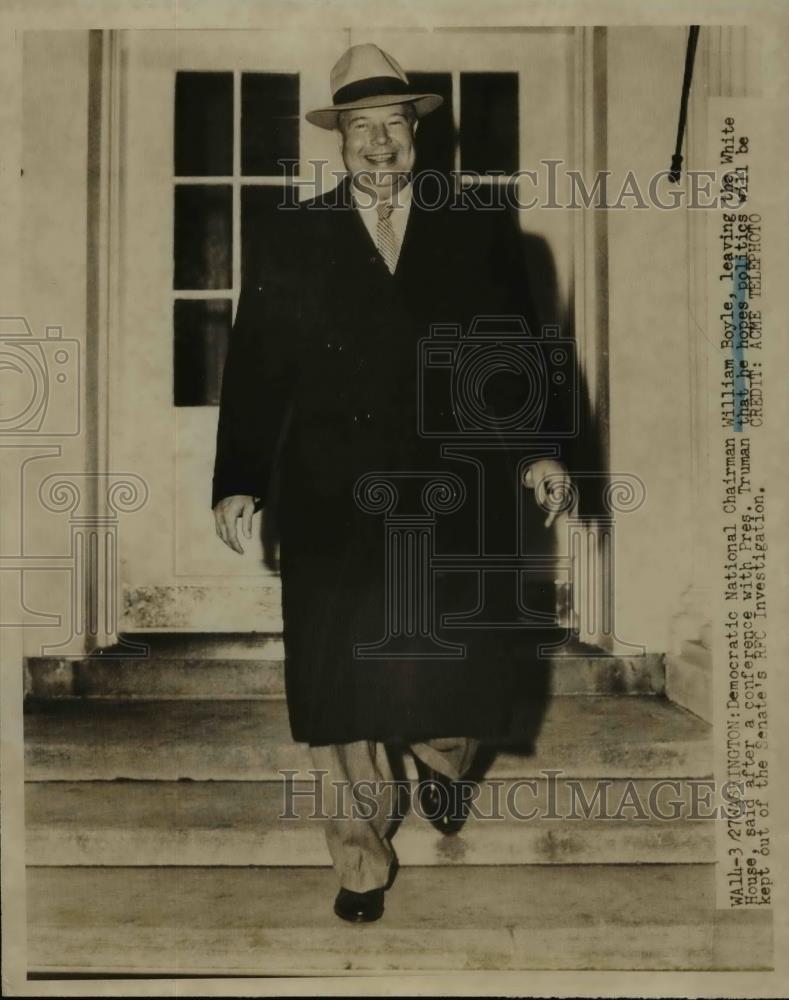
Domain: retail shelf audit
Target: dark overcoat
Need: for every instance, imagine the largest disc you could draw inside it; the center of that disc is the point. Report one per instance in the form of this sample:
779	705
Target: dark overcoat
325	384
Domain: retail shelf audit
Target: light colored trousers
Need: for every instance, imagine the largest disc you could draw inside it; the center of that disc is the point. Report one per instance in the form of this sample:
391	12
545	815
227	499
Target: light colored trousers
359	847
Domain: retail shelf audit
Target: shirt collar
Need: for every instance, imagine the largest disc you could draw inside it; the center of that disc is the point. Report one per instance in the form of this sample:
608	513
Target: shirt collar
401	200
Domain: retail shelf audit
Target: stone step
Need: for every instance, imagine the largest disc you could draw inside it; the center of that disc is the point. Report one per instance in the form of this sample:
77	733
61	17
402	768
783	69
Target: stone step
241	823
157	678
197	645
278	921
188	674
593	737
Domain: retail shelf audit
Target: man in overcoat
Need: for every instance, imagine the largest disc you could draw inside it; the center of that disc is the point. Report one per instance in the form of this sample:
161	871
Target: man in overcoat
326	391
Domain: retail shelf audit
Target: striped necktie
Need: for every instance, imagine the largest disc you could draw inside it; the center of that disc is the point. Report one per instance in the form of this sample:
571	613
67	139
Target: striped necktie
385	239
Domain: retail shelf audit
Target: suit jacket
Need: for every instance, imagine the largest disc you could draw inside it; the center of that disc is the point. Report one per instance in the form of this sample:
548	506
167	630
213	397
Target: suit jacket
326	381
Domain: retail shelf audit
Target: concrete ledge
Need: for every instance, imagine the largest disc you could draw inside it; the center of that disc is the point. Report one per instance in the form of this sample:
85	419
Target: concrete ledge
157	678
689	679
234	669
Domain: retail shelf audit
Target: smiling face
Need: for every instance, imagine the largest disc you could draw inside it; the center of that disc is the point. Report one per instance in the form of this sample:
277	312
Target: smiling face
377	146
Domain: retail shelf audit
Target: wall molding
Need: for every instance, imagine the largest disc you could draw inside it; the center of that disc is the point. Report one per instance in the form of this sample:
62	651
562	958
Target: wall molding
102	593
590	305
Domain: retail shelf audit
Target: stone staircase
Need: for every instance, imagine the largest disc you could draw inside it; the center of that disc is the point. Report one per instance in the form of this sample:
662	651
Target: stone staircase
154	843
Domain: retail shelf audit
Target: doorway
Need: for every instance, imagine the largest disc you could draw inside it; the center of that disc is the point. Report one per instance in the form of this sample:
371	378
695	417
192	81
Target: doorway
206	120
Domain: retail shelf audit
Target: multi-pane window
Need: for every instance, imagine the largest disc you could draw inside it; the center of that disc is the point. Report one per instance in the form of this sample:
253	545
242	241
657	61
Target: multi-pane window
231	129
435	143
477	127
489	138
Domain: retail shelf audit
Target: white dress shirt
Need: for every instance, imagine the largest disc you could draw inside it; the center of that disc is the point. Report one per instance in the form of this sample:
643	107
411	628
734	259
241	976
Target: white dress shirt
364	204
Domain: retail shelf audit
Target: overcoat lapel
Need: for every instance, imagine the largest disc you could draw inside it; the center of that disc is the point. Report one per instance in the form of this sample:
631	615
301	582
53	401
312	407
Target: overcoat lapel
416	232
357	252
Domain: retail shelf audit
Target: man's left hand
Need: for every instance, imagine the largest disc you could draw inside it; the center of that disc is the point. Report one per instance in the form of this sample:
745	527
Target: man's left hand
551	483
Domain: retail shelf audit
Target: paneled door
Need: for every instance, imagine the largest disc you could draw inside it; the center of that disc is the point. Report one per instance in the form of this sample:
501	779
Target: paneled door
205	118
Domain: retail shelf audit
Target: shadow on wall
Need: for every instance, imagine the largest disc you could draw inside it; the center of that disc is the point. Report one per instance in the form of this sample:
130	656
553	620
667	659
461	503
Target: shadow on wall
585	452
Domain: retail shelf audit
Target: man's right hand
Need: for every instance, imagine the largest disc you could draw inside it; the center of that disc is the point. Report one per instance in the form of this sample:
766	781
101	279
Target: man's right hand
226	515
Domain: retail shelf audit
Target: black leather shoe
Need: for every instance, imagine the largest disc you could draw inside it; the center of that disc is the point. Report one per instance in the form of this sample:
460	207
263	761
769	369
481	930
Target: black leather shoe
359	907
440	799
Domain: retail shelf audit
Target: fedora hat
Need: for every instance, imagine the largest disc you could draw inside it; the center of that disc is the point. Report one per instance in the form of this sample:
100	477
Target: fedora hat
367	77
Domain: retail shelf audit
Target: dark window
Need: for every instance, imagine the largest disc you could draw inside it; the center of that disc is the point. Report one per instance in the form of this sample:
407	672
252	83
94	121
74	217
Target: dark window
203	124
261	219
203	236
489	138
269	122
435	140
202	331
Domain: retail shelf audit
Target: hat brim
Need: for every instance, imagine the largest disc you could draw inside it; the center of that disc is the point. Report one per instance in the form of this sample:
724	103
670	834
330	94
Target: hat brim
328	117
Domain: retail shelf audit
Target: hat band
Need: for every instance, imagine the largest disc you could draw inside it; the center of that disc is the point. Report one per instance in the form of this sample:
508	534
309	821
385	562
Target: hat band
372	86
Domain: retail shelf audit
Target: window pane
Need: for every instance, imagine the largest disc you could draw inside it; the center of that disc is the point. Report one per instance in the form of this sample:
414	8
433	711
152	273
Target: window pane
269	121
489	122
260	221
203	236
202	330
435	140
203	124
